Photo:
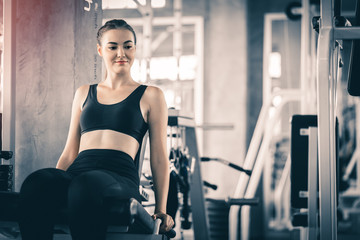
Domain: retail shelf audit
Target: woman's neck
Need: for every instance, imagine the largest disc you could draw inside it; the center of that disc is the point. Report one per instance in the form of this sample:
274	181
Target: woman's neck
117	80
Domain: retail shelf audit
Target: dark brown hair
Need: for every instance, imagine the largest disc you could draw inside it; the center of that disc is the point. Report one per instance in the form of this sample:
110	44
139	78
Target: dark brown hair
114	24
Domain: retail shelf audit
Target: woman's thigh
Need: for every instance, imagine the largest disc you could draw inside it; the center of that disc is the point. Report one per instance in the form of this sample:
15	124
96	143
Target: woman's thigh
94	186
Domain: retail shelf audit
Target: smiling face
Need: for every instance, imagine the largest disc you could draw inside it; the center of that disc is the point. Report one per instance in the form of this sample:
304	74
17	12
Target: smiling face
118	50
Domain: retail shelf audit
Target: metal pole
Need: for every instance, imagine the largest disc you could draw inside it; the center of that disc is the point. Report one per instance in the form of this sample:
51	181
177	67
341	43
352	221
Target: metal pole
177	49
177	37
326	124
199	215
147	14
304	57
8	78
312	184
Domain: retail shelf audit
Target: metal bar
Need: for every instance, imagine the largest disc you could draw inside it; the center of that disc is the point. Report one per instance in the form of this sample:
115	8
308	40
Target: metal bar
199	82
177	39
177	49
164	21
346	33
358	174
312	65
326	133
157	226
279	192
199	215
147	14
350	167
304	232
327	13
8	78
286	203
357	151
312	183
304	54
267	48
268	19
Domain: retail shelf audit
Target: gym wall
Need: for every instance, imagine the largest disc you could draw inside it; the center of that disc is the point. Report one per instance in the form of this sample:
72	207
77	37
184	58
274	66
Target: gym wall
225	91
55	54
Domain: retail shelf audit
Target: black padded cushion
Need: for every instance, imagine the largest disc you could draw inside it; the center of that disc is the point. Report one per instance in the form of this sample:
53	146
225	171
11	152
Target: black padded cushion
8	206
121	212
299	158
300	219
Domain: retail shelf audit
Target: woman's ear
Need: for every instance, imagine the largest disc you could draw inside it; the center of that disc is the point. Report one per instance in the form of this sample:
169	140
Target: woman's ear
99	50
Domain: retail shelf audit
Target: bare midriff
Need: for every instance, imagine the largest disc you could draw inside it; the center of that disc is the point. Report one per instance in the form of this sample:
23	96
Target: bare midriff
109	139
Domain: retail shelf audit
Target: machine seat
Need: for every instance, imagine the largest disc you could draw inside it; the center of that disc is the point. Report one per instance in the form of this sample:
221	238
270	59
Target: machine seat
124	215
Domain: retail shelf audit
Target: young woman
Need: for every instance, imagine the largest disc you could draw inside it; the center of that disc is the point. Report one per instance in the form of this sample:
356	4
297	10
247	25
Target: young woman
108	123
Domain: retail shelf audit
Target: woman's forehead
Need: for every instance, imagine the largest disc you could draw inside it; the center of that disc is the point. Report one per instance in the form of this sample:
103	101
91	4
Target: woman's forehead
118	36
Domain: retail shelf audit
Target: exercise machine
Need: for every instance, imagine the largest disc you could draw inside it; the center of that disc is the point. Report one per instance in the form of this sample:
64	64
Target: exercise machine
196	210
304	175
128	219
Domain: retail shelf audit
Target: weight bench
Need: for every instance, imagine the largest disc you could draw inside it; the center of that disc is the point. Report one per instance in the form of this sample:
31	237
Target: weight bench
127	219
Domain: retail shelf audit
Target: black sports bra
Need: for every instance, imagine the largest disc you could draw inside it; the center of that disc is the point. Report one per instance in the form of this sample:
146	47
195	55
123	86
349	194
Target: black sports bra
124	116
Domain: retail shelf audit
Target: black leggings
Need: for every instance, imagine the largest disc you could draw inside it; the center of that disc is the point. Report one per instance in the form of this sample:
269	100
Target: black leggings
94	176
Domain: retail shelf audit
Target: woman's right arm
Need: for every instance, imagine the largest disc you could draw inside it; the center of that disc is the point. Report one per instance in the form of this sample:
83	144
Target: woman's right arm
71	149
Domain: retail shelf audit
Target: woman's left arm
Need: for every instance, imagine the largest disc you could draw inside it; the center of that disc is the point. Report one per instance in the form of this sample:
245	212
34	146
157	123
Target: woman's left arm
157	119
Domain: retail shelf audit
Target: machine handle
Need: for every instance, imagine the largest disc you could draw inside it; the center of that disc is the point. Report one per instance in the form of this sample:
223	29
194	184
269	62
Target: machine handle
169	234
212	186
157	226
232	165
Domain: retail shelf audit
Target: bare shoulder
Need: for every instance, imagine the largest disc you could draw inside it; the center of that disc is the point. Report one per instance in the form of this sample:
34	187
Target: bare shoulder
81	94
153	95
154	98
83	90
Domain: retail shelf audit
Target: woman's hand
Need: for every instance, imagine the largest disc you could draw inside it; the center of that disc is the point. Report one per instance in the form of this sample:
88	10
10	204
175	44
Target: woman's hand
167	222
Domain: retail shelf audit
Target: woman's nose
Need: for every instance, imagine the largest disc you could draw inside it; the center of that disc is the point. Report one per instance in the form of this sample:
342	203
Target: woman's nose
121	52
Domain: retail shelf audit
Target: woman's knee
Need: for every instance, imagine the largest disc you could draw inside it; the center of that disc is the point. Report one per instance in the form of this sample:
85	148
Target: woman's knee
45	182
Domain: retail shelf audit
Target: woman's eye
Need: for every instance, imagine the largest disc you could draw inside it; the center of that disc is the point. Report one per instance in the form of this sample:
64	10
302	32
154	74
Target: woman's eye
112	48
128	47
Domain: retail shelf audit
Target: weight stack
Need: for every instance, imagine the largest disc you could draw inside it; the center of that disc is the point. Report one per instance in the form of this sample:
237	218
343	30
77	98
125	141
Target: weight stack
218	215
6	178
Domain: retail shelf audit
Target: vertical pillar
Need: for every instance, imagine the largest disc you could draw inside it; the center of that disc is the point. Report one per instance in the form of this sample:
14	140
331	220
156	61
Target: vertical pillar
312	184
199	215
8	78
88	19
326	123
177	48
304	58
147	14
